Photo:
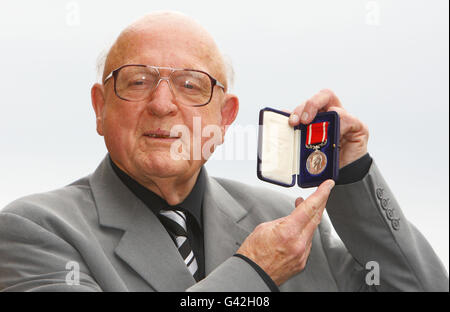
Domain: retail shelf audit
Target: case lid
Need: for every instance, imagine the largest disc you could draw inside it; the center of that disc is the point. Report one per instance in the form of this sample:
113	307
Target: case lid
278	148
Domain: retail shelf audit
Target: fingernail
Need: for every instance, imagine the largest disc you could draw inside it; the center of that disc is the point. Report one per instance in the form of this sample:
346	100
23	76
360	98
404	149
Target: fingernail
294	118
305	116
331	184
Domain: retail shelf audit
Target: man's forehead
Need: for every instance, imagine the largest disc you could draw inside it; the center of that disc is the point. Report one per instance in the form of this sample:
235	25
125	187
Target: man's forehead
172	39
172	49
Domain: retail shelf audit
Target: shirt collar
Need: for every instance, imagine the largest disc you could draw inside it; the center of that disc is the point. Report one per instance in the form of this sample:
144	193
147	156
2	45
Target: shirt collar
192	203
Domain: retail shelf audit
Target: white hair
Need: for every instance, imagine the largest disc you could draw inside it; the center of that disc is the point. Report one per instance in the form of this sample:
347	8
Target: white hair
100	64
229	71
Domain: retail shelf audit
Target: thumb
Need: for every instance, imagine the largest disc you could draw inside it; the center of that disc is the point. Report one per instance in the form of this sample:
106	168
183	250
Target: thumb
315	203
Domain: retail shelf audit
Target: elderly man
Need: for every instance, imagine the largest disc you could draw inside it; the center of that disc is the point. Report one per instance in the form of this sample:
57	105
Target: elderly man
146	221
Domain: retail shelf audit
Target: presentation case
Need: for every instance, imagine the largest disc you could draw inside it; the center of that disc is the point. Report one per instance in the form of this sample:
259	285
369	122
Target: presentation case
305	155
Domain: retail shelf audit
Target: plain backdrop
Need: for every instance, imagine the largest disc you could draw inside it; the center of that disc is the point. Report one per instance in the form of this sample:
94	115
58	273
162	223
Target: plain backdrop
388	62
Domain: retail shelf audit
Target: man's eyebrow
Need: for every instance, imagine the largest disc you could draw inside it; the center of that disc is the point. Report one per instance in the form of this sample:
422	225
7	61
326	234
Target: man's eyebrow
182	66
190	66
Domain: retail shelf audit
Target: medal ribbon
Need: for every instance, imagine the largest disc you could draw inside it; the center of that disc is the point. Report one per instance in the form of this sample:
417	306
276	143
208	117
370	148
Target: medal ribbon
317	133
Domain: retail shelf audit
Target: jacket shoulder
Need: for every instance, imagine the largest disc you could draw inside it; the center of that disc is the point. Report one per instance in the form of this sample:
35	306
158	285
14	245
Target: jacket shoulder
67	205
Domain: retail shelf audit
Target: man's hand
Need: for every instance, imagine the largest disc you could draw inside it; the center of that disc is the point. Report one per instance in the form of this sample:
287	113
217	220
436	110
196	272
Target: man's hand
281	247
354	133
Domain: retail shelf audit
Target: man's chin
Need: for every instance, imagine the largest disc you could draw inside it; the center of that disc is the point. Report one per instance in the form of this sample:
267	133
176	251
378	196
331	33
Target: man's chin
165	167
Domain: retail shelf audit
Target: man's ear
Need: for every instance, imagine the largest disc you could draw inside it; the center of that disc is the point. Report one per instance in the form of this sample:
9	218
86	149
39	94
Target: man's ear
229	112
98	103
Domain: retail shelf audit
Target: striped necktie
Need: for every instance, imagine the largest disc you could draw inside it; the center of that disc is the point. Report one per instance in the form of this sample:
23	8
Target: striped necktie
175	223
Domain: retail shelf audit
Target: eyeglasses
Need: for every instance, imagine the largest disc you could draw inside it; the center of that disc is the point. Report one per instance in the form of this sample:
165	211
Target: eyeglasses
138	82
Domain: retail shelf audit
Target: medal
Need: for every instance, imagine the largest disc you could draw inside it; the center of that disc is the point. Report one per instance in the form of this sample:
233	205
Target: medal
316	137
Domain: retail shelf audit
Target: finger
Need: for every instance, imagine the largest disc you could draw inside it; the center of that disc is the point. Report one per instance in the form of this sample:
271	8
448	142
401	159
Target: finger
304	212
307	239
294	119
318	216
348	122
317	200
298	201
308	246
319	102
307	236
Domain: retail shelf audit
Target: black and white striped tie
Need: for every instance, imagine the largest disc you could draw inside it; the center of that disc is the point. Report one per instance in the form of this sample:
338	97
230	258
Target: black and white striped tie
175	223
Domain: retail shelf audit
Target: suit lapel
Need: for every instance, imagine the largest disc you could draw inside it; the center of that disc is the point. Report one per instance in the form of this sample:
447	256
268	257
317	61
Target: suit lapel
222	233
145	245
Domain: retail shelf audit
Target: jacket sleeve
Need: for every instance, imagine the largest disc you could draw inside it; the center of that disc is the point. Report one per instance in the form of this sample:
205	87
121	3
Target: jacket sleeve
235	274
34	259
378	239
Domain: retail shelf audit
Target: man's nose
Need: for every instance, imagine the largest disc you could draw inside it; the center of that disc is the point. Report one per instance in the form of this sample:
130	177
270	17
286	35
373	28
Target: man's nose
162	101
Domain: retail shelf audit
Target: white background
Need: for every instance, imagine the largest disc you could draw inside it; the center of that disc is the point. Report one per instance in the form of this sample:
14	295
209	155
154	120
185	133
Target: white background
388	62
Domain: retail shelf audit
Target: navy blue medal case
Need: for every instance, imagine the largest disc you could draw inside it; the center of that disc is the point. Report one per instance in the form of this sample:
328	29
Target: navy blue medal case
282	152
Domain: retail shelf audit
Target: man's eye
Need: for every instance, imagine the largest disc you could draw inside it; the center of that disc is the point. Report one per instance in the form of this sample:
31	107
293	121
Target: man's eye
138	83
188	85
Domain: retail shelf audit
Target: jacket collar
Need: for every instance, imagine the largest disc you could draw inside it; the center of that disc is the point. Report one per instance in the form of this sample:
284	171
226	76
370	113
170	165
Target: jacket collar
147	247
222	231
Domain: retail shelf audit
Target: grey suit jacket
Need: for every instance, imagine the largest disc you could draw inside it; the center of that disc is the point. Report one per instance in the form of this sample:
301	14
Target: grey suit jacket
118	244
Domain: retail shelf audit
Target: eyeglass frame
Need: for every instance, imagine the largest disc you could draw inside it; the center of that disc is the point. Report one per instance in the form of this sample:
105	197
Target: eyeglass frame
115	72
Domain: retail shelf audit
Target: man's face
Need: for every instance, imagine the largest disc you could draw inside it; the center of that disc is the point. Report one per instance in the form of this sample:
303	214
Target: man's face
125	125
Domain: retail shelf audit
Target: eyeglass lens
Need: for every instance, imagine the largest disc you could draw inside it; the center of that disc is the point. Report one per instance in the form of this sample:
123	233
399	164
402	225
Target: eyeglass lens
136	83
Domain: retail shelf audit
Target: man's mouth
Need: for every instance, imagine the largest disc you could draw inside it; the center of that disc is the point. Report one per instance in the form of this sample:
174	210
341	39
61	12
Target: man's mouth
160	134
